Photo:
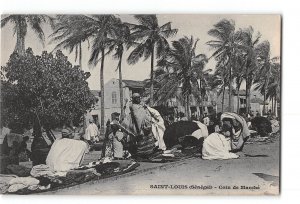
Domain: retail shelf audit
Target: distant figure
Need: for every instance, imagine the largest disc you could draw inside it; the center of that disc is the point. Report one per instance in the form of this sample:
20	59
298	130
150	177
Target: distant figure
206	120
24	153
66	133
14	153
91	132
182	117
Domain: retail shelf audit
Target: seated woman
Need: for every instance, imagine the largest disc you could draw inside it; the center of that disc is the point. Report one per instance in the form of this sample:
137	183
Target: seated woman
239	130
219	145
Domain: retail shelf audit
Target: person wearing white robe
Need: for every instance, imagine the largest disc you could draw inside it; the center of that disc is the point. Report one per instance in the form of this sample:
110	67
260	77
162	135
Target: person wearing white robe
158	128
217	146
92	132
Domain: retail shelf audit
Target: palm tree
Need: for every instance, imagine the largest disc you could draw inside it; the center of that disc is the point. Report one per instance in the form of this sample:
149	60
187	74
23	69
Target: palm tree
152	40
69	34
120	41
220	81
250	70
238	74
266	66
273	89
226	46
101	28
183	68
21	23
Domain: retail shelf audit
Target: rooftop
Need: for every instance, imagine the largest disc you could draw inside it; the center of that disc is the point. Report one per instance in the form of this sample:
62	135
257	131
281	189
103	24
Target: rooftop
134	84
242	92
258	100
96	92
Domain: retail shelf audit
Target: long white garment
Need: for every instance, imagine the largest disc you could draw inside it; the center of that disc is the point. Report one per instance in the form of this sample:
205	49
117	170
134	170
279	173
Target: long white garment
216	146
275	126
66	154
158	128
245	130
201	132
117	145
91	131
206	121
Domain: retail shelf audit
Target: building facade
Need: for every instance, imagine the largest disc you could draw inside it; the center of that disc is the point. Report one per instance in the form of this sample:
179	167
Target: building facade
112	102
210	104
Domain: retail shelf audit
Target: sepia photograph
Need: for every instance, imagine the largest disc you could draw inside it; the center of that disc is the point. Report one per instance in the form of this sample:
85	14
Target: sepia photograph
141	104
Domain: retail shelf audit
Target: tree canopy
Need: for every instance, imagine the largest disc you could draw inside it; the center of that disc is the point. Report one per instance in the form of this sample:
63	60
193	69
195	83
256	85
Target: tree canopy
48	88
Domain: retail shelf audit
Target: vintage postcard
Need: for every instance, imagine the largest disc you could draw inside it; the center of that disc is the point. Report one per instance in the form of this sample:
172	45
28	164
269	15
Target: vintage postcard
140	104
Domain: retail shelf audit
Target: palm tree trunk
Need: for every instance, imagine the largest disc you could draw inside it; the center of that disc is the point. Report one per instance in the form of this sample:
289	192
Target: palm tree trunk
121	86
247	93
20	45
247	97
264	107
223	98
272	107
102	92
80	56
238	100
275	106
80	65
151	76
188	107
229	94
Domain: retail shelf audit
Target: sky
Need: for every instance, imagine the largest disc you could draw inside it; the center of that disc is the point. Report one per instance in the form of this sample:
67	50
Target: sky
194	25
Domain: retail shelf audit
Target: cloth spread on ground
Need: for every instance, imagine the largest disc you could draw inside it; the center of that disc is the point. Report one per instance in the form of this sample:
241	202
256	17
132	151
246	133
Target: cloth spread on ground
158	128
201	132
21	183
262	125
178	130
4	182
275	126
216	146
66	154
41	170
75	176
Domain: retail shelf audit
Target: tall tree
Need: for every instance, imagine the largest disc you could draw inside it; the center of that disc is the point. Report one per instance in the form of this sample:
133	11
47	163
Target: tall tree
20	25
121	40
250	41
69	34
152	40
101	27
227	43
183	68
266	66
44	90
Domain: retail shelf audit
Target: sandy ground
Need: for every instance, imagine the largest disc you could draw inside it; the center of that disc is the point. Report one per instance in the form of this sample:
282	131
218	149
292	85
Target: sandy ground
257	170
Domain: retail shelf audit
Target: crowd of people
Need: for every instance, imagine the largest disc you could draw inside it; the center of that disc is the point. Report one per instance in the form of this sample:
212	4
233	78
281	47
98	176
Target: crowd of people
143	132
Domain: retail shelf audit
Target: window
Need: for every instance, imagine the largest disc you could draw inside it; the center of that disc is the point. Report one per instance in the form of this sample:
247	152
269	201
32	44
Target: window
114	97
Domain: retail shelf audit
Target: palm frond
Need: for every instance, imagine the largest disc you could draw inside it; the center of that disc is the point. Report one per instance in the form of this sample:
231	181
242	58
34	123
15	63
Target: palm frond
136	54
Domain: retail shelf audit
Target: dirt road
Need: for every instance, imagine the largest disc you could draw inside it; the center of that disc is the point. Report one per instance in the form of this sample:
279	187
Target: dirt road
255	172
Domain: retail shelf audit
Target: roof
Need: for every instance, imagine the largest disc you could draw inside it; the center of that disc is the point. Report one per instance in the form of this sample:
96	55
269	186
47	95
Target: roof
258	100
242	92
96	92
134	84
